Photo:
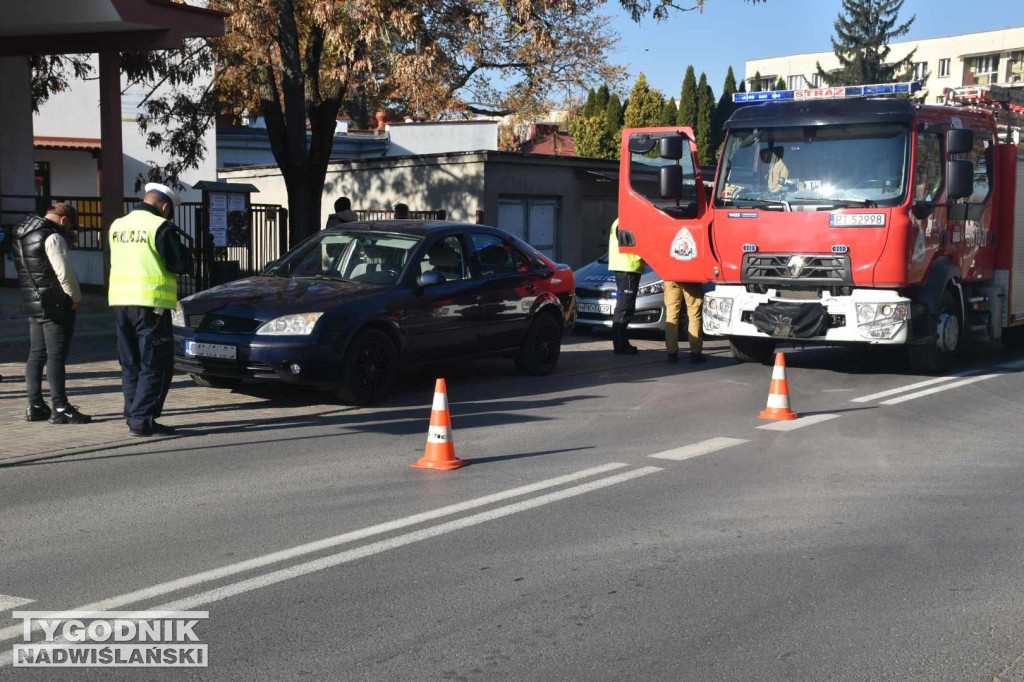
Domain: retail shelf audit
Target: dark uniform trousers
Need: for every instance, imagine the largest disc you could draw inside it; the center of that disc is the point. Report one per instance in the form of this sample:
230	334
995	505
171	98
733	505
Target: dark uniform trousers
145	348
627	283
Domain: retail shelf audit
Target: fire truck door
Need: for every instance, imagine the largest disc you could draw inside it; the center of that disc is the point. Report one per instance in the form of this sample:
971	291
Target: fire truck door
663	205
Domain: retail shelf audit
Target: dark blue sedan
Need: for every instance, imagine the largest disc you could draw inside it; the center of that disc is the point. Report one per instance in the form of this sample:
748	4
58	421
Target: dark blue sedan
349	307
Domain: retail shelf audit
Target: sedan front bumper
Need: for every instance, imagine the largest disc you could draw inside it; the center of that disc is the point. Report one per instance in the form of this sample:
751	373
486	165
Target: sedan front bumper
294	361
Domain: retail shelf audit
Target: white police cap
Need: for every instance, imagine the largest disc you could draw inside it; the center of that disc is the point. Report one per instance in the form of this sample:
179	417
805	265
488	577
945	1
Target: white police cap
165	190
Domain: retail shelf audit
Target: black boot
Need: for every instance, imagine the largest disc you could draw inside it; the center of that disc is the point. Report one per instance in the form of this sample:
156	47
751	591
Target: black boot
622	344
37	413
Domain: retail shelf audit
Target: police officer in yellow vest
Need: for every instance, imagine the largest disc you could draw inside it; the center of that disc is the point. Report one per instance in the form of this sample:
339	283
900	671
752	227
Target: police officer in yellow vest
627	268
146	255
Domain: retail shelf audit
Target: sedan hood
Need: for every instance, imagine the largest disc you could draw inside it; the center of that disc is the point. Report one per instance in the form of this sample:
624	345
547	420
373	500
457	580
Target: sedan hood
264	298
596	275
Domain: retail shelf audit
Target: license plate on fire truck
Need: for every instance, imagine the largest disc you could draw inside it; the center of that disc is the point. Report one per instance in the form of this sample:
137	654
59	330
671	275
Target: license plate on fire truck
857	220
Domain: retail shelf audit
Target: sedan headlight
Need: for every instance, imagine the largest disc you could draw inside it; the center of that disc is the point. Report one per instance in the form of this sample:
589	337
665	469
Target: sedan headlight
881	320
178	317
290	325
652	289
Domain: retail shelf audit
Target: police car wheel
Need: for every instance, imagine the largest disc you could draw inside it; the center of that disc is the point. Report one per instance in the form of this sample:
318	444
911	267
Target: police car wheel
369	369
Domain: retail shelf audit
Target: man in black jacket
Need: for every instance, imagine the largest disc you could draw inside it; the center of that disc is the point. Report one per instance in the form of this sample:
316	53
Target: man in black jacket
343	213
49	288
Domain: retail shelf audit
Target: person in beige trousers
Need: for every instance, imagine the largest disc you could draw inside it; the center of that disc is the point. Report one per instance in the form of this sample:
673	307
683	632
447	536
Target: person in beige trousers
693	294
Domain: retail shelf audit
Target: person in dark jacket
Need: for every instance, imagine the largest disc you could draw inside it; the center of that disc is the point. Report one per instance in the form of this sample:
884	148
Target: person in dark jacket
40	249
343	213
146	255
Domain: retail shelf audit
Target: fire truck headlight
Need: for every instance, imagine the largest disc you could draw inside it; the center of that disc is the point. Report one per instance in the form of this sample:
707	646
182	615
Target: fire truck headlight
881	321
717	310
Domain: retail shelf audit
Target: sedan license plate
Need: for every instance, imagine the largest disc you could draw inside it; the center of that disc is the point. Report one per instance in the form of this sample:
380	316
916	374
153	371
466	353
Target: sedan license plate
599	308
220	351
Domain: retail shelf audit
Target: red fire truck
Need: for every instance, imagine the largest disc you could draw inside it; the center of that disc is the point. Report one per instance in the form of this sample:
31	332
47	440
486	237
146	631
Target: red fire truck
838	216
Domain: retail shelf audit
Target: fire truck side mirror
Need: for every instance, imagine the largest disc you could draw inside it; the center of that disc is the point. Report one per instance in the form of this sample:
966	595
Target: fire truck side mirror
671	147
959	179
671	181
959	141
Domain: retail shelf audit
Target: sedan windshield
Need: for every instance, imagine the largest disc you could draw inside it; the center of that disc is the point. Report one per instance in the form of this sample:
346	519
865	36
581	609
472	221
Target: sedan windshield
355	256
834	166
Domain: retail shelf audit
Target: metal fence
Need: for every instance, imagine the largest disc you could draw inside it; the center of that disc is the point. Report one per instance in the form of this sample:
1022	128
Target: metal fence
268	236
389	214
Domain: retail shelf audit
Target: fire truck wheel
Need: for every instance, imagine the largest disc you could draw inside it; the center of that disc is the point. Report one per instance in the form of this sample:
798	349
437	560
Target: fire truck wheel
937	355
746	349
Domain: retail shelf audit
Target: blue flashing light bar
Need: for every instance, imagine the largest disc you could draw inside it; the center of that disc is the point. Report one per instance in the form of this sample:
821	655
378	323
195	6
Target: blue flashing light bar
836	92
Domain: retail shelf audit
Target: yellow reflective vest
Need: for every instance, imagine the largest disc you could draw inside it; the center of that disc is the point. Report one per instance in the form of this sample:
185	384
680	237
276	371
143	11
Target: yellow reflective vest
138	275
621	262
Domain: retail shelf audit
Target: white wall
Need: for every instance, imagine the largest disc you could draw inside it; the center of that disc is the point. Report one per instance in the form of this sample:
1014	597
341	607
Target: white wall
454	184
411	139
74	173
76	113
931	50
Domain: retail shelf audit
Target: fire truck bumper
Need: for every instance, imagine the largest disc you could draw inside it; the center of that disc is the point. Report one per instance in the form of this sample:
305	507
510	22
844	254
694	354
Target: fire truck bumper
872	316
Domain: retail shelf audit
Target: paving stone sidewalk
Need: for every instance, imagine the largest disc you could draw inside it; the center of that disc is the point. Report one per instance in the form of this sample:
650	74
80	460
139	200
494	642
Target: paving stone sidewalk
95	387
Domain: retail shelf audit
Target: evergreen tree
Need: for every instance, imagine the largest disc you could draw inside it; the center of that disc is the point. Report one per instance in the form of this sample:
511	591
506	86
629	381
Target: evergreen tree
588	136
756	85
668	113
687	114
644	108
588	108
725	108
780	84
743	86
612	128
864	30
601	100
705	121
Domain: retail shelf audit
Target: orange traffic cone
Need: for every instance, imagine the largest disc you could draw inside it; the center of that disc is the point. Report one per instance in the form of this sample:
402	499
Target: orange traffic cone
440	453
778	396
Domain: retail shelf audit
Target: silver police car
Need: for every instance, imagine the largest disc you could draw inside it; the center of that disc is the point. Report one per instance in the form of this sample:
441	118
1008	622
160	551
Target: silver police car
596	294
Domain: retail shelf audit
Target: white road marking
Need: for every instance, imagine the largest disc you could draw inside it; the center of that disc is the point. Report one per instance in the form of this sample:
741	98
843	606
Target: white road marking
698	449
794	424
939	389
1016	364
326	543
298	570
904	389
9	602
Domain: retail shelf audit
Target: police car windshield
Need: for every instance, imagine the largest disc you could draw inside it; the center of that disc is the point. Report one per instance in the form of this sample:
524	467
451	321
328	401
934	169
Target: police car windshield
367	257
833	165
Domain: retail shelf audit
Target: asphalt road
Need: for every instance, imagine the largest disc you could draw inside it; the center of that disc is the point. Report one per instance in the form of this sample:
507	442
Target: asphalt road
880	539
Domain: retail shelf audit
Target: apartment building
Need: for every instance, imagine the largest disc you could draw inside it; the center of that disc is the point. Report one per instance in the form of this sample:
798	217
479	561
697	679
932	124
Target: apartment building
989	57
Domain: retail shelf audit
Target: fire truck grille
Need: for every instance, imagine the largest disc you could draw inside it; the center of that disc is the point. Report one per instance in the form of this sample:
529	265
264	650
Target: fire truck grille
796	269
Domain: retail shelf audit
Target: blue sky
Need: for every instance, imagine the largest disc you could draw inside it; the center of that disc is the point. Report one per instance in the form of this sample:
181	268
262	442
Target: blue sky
732	31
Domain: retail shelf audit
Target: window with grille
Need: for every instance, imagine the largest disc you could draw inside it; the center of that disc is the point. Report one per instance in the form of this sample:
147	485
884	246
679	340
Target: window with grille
796	82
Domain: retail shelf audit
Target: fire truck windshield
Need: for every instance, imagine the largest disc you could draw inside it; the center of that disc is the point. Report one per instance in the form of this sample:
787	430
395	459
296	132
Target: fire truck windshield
810	167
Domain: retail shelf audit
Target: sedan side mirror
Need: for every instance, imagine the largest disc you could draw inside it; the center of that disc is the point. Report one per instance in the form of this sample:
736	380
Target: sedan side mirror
429	279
